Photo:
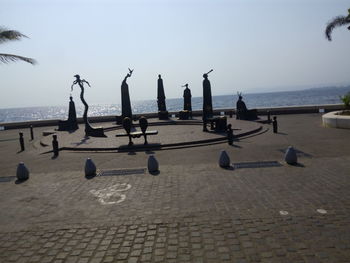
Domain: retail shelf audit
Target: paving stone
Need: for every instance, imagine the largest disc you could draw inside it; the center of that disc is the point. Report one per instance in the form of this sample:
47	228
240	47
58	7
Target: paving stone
121	256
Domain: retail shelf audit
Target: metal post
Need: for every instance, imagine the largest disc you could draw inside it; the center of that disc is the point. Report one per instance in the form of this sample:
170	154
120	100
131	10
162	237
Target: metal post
55	145
274	123
21	141
229	134
31	132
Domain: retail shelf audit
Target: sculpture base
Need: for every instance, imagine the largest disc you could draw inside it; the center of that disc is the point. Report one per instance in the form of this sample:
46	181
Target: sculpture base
248	115
67	125
184	114
94	132
218	124
119	119
163	115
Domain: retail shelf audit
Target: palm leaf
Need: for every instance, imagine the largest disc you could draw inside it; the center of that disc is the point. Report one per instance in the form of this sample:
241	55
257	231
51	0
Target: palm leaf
8	35
6	58
335	22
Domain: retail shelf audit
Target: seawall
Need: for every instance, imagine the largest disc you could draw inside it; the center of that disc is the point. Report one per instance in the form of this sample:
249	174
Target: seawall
225	111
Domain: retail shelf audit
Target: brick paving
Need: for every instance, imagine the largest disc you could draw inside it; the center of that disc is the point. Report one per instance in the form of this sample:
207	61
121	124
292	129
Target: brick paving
193	211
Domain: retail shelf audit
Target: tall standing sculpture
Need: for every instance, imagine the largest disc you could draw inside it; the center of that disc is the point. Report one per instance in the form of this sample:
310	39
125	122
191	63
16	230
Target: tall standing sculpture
162	112
186	113
187	98
71	124
126	105
89	131
207	100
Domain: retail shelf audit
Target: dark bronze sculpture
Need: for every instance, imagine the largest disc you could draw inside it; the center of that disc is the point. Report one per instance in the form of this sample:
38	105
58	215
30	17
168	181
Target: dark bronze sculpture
186	113
71	124
242	112
127	124
162	112
144	125
207	99
89	131
126	105
187	98
160	95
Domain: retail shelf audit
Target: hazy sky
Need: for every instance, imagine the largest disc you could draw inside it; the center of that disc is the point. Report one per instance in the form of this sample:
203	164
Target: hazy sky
252	45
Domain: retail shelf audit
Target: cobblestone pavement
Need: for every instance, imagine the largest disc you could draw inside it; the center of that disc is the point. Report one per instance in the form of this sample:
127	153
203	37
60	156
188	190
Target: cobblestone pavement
192	211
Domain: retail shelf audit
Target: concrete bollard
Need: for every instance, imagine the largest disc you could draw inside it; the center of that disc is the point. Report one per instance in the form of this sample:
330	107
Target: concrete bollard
152	165
224	160
90	168
21	141
55	145
291	156
22	172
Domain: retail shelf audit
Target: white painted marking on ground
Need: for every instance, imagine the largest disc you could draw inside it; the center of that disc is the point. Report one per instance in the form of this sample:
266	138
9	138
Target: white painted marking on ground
106	195
321	211
283	213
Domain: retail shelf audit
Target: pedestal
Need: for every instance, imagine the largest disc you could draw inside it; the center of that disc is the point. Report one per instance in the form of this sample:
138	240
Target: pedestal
163	115
184	115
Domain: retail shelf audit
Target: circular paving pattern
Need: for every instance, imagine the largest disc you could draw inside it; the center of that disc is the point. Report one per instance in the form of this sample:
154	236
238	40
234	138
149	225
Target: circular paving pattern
171	133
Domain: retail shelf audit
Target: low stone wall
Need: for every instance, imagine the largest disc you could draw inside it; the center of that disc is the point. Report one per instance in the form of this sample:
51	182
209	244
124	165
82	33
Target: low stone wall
226	111
334	120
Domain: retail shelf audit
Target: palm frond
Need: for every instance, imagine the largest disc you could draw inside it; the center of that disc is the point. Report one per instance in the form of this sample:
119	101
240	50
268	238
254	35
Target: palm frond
335	22
6	58
8	35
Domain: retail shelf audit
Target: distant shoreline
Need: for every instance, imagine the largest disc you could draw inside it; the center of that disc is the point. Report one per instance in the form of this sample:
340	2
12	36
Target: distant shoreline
248	93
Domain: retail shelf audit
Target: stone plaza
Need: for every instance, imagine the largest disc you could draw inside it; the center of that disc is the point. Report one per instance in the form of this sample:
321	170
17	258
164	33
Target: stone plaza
193	210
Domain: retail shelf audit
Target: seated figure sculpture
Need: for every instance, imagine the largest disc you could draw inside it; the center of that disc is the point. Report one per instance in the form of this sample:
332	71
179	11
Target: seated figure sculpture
242	112
71	124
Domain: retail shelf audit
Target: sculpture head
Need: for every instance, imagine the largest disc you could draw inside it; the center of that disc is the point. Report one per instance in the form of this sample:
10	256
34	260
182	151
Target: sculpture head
127	123
143	124
77	77
159	76
205	75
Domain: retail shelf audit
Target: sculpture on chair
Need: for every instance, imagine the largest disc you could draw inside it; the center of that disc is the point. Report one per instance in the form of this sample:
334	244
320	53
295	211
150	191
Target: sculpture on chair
242	112
71	124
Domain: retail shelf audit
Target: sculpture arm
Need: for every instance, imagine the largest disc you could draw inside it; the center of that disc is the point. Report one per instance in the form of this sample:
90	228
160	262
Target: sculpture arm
86	82
74	82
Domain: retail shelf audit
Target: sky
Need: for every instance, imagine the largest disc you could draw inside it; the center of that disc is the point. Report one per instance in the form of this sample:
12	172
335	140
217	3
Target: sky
251	45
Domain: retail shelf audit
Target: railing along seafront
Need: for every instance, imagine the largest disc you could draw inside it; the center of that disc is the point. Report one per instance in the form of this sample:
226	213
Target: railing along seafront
261	111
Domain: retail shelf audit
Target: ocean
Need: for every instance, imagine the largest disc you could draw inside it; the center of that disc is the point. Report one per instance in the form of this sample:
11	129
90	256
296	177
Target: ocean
316	96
